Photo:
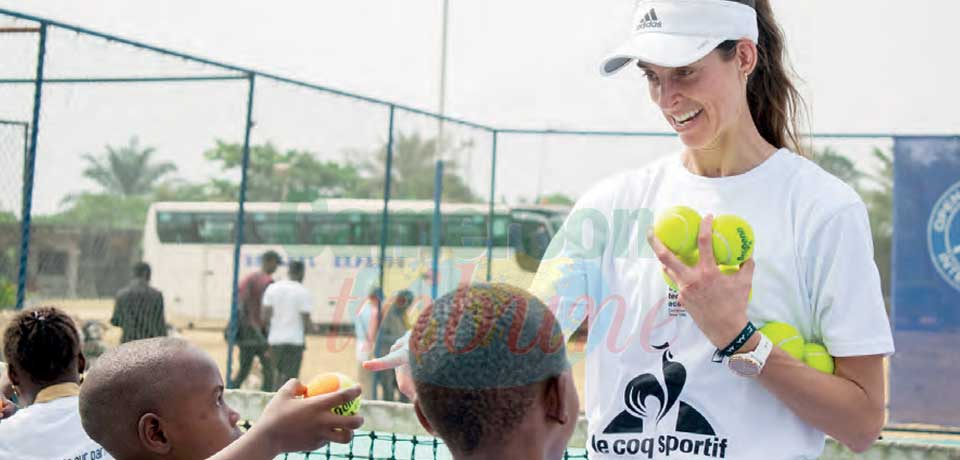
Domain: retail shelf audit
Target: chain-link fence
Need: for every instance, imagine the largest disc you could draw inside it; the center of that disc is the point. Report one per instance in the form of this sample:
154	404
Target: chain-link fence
207	172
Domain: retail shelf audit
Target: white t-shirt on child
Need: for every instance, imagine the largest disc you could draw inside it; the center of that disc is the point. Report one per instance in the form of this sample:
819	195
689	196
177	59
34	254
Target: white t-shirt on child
653	387
48	431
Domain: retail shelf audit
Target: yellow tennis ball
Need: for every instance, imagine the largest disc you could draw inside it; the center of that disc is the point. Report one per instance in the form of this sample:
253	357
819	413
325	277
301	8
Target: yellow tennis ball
732	240
784	336
817	357
669	280
677	228
329	382
690	259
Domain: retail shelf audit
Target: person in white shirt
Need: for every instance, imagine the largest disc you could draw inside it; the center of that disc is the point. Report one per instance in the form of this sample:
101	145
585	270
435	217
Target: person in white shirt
286	312
365	328
684	374
42	347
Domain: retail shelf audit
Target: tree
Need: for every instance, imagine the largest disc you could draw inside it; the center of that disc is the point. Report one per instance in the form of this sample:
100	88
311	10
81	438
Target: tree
293	175
413	171
557	199
102	210
127	170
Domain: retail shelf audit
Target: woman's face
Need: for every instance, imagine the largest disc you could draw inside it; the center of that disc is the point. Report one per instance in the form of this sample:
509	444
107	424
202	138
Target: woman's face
701	101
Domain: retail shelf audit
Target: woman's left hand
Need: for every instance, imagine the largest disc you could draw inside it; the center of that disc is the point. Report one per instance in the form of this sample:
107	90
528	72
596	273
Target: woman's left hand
717	302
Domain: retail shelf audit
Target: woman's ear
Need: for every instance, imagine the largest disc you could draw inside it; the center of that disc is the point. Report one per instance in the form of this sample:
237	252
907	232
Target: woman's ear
747	56
151	434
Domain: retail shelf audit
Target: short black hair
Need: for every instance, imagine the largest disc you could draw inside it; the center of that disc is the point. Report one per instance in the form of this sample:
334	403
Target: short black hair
479	356
141	270
128	381
271	255
295	269
43	342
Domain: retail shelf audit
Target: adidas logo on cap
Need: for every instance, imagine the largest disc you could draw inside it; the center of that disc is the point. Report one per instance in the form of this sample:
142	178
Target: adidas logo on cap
650	20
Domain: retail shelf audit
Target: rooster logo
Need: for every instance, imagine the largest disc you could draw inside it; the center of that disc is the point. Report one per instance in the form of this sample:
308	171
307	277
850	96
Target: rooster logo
643	387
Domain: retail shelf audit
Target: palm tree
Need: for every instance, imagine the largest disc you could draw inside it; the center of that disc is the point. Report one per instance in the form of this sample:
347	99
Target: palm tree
413	170
127	170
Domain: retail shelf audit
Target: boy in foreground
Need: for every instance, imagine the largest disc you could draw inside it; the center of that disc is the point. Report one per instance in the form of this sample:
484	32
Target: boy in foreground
491	375
162	398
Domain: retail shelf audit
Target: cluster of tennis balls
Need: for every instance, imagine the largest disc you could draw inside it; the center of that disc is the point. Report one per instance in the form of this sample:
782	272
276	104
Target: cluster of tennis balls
678	227
789	340
733	242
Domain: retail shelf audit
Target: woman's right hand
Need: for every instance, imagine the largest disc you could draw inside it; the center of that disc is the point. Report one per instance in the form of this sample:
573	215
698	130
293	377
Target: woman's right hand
397	359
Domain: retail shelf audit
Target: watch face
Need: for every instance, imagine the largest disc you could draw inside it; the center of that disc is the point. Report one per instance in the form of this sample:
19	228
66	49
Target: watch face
743	365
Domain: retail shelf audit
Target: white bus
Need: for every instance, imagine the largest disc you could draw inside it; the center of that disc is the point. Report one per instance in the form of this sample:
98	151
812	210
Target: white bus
190	248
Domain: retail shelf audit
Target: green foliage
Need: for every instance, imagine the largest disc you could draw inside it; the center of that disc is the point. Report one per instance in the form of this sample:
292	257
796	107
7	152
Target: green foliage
413	171
7	217
8	294
293	175
101	210
557	199
126	171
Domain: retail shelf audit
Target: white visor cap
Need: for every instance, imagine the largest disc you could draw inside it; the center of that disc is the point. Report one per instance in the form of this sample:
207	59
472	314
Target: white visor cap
675	33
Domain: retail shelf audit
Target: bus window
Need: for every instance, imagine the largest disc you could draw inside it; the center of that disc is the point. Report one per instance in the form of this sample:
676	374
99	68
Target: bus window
530	238
329	229
176	227
408	230
464	231
216	228
500	227
272	228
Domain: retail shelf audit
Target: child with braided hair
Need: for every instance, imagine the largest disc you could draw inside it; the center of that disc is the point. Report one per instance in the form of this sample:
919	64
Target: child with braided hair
44	361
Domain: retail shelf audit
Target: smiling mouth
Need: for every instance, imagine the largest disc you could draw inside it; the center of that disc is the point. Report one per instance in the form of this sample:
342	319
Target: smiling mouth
684	119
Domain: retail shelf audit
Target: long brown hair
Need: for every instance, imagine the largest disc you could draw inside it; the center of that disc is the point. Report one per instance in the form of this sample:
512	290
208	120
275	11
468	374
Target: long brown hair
774	101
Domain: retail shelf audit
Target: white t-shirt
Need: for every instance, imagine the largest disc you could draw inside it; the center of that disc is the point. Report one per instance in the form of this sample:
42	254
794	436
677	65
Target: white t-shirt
48	431
289	300
361	328
814	270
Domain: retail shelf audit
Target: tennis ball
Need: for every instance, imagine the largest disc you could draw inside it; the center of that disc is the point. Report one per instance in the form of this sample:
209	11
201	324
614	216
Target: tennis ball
817	357
329	382
669	280
784	336
677	228
690	259
732	240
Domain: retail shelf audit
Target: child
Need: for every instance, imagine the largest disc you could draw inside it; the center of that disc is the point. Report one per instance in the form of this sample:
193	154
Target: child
45	362
162	398
491	375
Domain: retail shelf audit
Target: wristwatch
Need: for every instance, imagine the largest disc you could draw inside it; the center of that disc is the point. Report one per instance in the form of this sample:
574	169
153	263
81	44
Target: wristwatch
750	364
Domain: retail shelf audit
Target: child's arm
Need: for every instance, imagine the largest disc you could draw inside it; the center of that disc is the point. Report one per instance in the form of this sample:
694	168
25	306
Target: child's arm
294	424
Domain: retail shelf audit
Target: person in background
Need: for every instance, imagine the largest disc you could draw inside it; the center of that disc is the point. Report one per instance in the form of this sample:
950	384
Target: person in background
251	332
365	328
392	327
286	311
45	362
139	308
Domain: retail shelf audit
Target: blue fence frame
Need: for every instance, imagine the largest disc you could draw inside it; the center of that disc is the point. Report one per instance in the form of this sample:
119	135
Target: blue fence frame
251	75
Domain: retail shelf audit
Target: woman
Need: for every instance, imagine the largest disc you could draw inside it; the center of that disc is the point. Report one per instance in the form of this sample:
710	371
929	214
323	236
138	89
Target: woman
42	347
684	374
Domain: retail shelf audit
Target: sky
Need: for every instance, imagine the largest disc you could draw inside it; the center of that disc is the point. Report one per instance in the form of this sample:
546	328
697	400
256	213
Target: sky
863	66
